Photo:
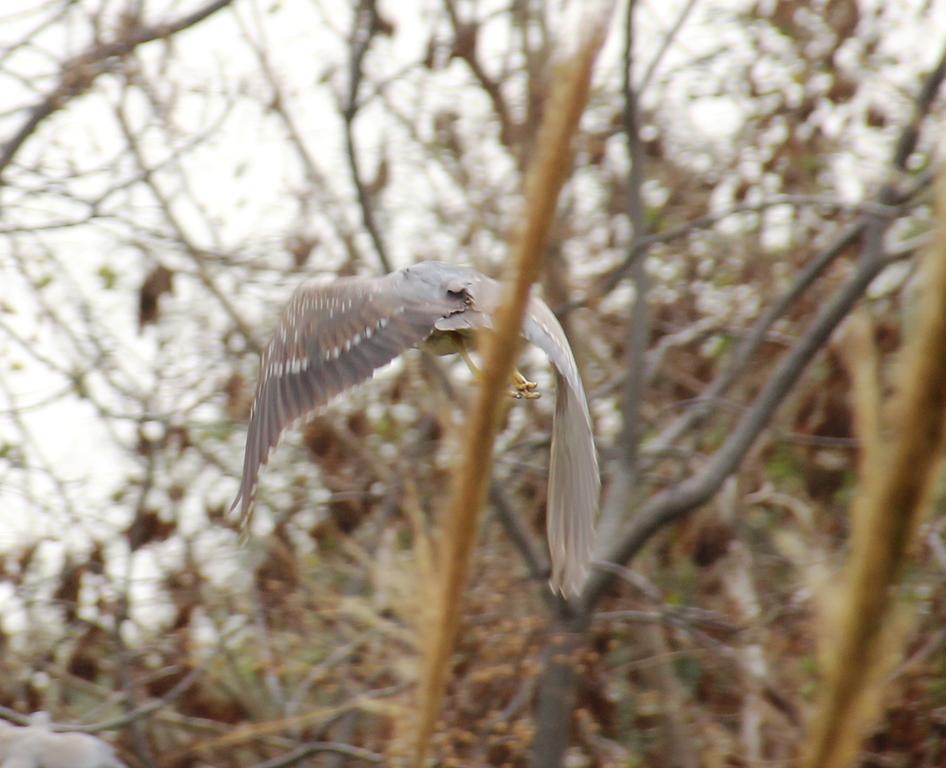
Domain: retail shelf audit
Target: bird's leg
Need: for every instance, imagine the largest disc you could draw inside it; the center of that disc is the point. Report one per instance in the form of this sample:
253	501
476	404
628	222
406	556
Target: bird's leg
464	352
522	387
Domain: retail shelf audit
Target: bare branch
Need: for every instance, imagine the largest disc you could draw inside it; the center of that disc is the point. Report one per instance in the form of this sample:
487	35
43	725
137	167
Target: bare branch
665	44
751	344
79	73
317	747
464	33
536	562
336	214
747	348
678	501
635	367
924	101
364	27
610	281
197	253
116	723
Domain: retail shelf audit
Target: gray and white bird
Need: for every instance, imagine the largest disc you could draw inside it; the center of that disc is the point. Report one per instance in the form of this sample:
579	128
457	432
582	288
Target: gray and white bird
38	746
334	335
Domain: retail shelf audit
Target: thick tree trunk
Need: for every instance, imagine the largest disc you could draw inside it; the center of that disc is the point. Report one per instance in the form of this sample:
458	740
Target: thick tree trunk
556	690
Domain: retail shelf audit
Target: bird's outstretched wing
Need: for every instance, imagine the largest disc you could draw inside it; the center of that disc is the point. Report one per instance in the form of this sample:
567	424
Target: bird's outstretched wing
574	482
331	337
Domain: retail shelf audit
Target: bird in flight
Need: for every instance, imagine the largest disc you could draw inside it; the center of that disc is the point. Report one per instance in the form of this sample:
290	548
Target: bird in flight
334	335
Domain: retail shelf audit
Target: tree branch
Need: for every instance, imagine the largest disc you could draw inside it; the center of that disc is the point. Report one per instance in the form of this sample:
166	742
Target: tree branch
115	723
197	253
890	203
640	317
611	279
464	47
664	46
536	563
678	501
751	343
80	72
924	101
316	747
364	27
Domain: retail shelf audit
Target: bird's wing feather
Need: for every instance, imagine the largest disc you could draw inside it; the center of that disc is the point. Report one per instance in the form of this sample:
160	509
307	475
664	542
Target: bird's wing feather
331	337
574	482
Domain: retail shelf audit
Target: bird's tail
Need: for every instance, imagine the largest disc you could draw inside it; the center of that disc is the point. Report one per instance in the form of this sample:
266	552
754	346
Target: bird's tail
574	485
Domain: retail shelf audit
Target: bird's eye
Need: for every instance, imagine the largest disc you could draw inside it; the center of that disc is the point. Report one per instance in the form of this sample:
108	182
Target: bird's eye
456	287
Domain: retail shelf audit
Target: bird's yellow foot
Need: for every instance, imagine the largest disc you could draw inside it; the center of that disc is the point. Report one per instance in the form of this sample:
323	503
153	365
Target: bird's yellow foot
523	388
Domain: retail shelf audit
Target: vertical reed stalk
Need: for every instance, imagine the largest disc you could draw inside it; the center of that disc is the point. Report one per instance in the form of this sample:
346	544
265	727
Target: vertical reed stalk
896	476
546	177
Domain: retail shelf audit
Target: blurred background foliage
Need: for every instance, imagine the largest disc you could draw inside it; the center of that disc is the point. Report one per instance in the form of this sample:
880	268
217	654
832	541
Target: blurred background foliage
170	170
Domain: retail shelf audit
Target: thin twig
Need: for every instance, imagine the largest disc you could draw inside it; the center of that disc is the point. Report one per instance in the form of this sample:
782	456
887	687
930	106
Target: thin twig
197	253
464	33
364	27
80	72
316	747
233	737
665	44
336	214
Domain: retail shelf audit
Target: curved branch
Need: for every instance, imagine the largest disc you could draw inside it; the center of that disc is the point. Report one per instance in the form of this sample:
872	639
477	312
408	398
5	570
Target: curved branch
924	101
